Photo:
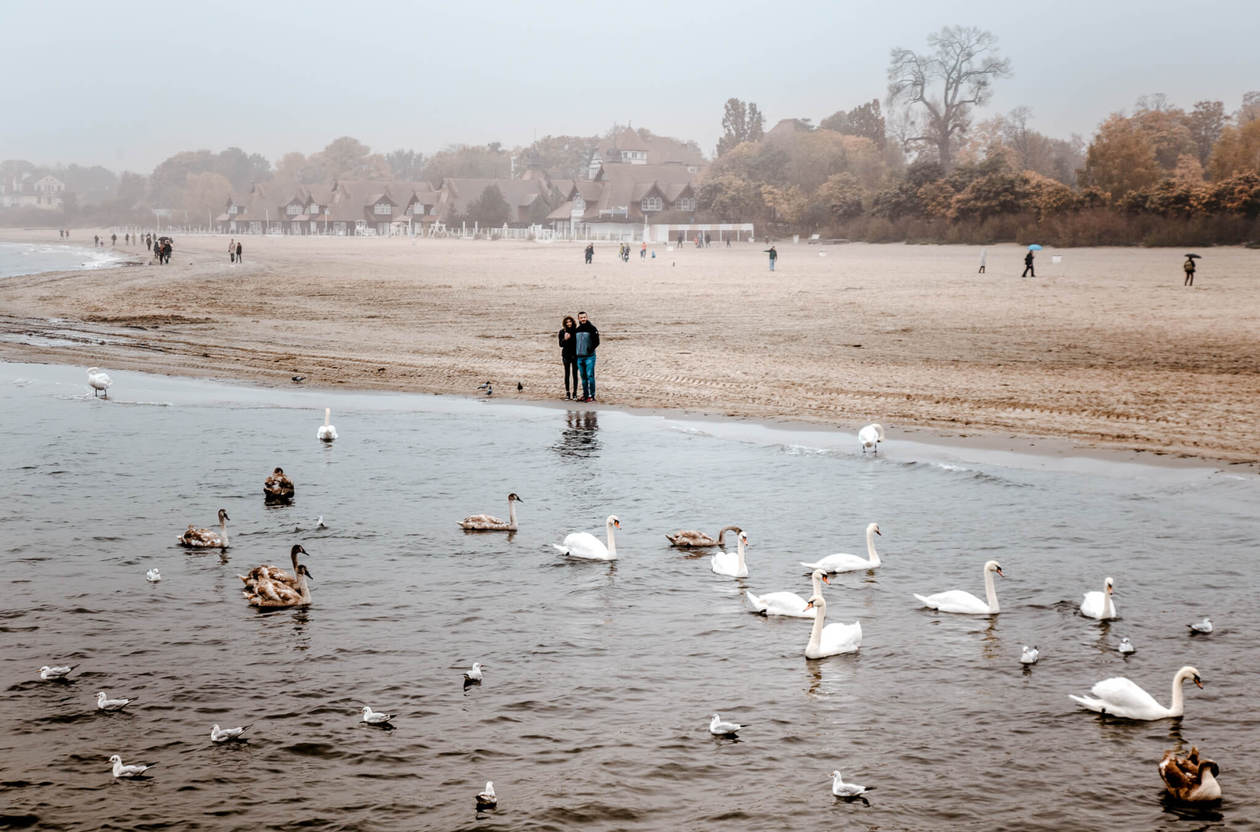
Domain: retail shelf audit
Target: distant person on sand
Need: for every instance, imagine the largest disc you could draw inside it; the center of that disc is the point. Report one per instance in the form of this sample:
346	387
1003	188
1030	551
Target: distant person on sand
1029	271
96	240
590	252
239	258
113	240
586	339
643	251
984	257
231	251
774	255
1189	267
568	355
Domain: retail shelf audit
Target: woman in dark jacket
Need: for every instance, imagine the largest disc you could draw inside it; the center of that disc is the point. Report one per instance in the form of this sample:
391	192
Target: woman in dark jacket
568	345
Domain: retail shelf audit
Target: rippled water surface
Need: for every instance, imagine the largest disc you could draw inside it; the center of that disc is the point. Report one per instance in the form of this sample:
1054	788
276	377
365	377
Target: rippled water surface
29	258
600	679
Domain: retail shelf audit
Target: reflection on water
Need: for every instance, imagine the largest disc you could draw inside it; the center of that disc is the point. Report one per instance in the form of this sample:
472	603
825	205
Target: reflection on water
579	439
600	678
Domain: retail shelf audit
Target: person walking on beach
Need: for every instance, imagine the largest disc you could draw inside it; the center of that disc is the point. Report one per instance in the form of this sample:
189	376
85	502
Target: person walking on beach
643	251
1189	267
1029	271
984	257
239	258
590	253
113	241
774	255
231	250
568	355
586	341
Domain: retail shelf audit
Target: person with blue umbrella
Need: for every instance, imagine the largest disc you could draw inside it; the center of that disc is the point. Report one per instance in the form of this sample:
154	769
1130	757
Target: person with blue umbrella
1029	271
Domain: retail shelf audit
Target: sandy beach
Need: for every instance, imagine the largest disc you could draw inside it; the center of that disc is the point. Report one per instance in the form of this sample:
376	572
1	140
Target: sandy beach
1103	350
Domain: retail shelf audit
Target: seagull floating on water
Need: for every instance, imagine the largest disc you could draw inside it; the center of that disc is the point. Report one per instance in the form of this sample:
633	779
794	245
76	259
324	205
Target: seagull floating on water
1030	655
1126	647
1204	626
842	789
473	676
720	728
122	771
372	717
99	381
153	576
218	734
48	673
488	799
104	703
319	522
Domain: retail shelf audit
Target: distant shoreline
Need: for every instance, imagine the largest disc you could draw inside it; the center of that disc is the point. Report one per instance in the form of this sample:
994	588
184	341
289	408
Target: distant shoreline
1104	351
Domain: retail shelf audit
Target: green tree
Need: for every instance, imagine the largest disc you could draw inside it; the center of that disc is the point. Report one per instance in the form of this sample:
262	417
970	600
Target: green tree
741	122
405	164
490	209
942	86
865	120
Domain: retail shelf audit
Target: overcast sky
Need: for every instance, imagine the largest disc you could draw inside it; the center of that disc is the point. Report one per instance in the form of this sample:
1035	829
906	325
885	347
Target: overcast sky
126	84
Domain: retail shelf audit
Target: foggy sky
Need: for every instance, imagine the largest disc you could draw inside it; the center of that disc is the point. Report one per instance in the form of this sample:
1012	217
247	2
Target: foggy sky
127	84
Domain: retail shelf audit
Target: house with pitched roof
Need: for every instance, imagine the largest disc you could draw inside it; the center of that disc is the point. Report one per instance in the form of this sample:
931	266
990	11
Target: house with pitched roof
46	193
624	198
628	147
528	199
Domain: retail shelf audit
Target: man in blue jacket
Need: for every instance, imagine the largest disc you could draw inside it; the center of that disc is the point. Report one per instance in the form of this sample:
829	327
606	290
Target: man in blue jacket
586	340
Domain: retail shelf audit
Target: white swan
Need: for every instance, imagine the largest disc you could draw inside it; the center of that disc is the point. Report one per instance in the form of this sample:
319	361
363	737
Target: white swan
489	523
1099	604
326	432
788	603
153	575
870	437
831	639
851	563
1120	697
733	566
99	381
955	600
589	547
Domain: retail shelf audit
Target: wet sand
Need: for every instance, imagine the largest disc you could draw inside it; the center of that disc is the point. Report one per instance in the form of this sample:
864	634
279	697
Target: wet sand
1104	350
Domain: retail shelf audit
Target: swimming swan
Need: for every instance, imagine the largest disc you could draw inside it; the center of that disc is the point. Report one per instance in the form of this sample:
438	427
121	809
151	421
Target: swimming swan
870	437
195	538
271	586
955	600
1190	779
831	639
733	566
589	547
489	523
1120	697
278	488
1099	604
691	539
788	603
326	432
851	563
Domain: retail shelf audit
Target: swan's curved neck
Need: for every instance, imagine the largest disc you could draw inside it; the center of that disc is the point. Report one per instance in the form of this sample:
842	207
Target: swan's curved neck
327	415
1178	706
870	547
223	530
722	534
512	513
1109	609
990	591
740	564
820	620
612	541
817	581
294	556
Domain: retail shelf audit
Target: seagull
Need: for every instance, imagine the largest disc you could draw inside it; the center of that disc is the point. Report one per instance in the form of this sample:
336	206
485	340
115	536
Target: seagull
99	381
319	522
372	717
842	789
489	390
49	673
121	770
298	379
473	676
153	575
718	728
218	734
1126	647
1204	627
104	703
1030	655
488	799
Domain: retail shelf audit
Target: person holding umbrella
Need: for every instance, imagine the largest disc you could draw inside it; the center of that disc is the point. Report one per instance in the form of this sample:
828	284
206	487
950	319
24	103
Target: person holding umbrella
1029	271
1189	267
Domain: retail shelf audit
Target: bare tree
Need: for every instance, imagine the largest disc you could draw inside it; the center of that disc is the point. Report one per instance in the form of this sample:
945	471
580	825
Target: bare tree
946	83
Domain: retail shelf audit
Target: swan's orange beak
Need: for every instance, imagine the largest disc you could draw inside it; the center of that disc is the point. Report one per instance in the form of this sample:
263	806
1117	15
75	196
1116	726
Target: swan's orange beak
617	523
1198	682
809	606
1001	574
826	580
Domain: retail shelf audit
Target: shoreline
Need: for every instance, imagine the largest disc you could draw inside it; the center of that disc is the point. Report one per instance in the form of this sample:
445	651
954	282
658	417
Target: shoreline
927	351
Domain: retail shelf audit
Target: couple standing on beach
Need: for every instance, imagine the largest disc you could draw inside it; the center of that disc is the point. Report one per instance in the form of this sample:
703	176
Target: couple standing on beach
578	342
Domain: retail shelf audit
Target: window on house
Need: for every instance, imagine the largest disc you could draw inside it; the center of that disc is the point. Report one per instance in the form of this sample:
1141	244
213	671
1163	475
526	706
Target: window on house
293	210
687	203
651	203
232	210
383	209
313	209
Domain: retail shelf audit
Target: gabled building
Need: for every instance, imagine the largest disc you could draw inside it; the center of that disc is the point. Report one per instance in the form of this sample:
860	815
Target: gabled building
627	147
527	199
45	193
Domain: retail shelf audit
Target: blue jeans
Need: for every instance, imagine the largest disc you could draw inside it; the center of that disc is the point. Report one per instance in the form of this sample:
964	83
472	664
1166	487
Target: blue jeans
771	264
586	370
